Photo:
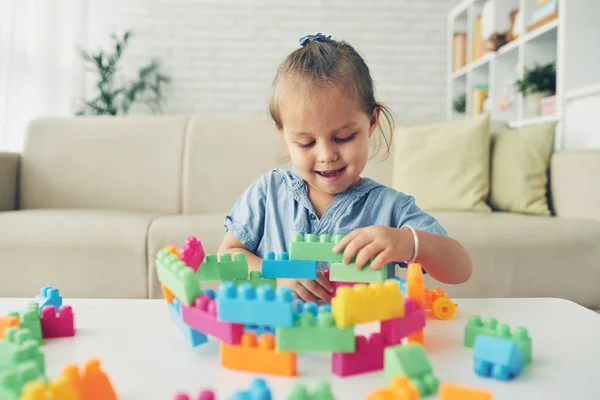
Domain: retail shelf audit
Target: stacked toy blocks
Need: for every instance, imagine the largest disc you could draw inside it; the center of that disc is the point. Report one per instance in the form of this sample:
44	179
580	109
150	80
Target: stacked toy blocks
367	356
57	323
311	248
340	272
396	329
20	361
399	388
92	383
48	296
177	277
283	267
14	377
224	269
9	321
192	335
410	360
258	356
191	253
256	279
322	391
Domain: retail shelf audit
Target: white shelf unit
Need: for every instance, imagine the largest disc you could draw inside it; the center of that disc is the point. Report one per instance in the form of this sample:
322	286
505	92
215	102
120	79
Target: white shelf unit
572	41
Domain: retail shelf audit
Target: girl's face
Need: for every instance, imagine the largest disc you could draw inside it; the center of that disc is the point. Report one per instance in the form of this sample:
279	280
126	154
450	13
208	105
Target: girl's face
326	134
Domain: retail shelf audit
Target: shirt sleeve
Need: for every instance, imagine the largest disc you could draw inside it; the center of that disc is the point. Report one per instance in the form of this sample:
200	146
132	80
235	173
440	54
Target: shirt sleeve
246	219
411	214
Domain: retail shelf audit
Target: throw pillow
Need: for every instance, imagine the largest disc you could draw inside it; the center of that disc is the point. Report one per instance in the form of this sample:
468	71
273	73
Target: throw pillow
520	159
445	165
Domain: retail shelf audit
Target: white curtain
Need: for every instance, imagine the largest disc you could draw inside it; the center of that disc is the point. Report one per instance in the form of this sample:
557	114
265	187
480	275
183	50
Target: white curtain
40	71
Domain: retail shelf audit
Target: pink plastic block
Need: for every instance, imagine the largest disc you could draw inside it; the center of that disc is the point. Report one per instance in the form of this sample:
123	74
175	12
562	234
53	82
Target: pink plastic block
55	325
203	395
192	253
368	357
395	329
202	316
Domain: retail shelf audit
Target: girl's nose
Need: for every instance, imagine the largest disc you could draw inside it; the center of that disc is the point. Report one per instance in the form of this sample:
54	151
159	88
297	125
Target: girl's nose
327	153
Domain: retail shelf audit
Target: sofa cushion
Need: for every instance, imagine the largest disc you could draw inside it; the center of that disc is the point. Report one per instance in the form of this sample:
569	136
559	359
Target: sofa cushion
172	230
83	253
518	255
115	163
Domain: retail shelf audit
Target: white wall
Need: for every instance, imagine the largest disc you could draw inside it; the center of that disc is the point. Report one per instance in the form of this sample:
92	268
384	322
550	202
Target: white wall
222	54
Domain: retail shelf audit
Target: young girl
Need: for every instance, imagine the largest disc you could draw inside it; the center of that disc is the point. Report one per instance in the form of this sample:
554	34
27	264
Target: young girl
323	106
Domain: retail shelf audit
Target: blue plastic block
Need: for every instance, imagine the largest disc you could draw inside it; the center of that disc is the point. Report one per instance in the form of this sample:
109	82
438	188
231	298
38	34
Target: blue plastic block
195	337
49	296
259	329
258	391
497	358
260	306
283	267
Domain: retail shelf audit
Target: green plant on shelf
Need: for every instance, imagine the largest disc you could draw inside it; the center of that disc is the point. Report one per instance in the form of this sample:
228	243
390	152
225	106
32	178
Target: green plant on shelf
460	104
539	79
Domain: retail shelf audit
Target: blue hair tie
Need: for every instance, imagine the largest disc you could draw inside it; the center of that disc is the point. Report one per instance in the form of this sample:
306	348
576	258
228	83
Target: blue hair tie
319	37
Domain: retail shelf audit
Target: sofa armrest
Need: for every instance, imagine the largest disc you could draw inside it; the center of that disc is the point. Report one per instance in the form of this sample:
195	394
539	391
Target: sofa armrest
9	178
575	183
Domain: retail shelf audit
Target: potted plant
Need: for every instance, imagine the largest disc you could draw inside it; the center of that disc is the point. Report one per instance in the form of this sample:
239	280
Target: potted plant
459	104
537	83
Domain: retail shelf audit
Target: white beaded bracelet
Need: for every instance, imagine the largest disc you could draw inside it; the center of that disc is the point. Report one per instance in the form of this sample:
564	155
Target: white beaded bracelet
416	242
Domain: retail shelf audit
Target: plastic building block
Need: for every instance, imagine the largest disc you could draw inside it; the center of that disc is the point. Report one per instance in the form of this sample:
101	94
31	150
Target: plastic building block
368	357
202	316
203	395
491	327
167	294
258	391
497	358
256	280
191	252
10	321
315	333
362	303
402	284
258	356
177	277
341	272
260	306
415	284
410	360
19	347
336	285
55	325
224	268
283	267
192	335
322	392
172	250
13	379
416	337
30	319
394	330
449	391
259	329
92	383
399	388
58	389
48	296
437	301
315	249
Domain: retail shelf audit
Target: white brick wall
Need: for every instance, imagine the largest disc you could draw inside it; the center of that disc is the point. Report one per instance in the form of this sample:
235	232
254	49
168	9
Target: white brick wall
222	54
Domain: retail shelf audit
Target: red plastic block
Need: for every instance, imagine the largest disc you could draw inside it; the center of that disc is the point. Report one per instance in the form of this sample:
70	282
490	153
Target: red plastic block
55	325
192	253
368	357
202	316
394	330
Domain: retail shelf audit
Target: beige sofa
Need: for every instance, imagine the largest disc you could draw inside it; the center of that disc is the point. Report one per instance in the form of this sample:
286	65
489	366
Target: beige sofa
91	200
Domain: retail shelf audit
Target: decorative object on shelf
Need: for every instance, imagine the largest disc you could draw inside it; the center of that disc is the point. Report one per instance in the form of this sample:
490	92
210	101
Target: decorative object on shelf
537	83
480	94
479	48
459	104
548	105
460	50
502	37
545	11
517	26
116	98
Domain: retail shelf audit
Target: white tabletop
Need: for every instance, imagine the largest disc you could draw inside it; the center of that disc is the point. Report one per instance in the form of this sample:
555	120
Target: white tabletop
146	357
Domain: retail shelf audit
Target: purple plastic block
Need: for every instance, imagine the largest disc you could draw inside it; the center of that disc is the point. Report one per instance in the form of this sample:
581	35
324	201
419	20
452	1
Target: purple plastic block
192	253
55	325
283	267
368	357
202	316
394	330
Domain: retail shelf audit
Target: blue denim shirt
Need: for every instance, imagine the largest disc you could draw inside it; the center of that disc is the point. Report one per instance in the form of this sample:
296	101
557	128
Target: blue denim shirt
276	206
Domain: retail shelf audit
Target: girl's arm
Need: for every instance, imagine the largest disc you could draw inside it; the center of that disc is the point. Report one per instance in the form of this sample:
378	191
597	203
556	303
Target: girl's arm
231	245
443	258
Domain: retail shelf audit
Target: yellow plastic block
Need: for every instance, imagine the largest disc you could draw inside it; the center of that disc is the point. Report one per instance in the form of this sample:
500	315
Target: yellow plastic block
367	303
58	389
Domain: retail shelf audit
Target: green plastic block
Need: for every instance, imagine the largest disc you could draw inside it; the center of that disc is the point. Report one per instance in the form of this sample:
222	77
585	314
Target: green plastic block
255	280
410	360
491	327
312	248
30	319
177	276
322	392
340	272
225	269
20	347
309	335
13	378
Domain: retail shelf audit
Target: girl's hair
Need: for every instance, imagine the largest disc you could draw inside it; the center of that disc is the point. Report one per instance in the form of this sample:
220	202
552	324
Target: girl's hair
327	63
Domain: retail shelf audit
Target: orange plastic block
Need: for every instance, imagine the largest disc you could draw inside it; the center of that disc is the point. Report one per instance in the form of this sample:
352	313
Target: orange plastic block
167	294
415	285
400	388
438	304
8	322
92	384
258	357
58	389
416	337
448	391
173	250
361	303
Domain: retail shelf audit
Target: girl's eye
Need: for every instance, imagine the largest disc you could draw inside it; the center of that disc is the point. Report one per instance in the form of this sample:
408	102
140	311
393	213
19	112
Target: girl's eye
346	139
306	145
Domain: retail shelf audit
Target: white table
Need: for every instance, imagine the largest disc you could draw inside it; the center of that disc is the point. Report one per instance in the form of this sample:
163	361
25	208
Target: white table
146	357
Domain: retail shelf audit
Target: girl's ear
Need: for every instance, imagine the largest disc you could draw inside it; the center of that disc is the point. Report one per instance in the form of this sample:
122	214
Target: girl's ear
374	120
279	129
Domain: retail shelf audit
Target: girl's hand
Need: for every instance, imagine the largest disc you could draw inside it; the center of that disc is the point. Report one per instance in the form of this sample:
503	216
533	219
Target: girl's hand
385	243
310	289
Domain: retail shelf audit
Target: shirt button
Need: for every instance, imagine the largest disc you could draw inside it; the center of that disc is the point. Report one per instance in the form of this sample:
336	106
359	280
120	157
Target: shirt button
313	216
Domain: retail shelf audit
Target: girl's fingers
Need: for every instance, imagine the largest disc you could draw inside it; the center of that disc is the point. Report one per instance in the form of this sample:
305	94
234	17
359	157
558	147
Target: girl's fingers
365	254
354	247
381	260
317	290
323	281
304	293
345	240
